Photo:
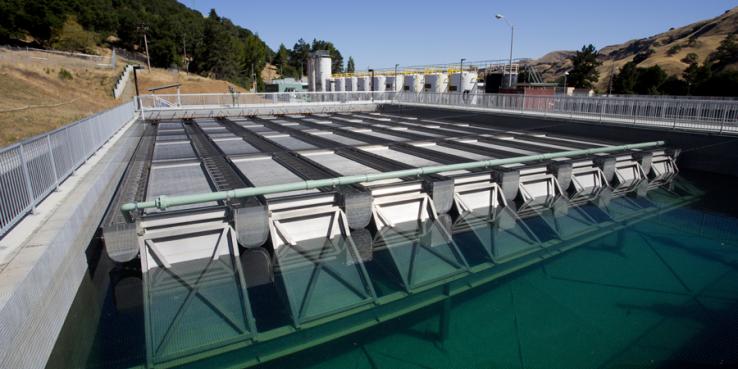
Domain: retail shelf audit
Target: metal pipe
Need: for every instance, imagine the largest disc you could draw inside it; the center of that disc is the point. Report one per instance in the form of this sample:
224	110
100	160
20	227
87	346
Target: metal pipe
163	202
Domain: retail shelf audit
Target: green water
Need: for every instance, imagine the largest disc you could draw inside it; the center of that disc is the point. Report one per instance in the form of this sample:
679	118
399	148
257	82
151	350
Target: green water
660	290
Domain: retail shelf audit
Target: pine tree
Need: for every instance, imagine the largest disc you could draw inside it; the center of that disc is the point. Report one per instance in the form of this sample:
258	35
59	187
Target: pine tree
584	73
350	65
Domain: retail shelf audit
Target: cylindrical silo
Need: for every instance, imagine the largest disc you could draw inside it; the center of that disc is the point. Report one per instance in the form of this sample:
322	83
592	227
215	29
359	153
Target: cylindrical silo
364	83
311	73
379	83
414	83
323	72
463	81
351	83
394	83
436	82
339	84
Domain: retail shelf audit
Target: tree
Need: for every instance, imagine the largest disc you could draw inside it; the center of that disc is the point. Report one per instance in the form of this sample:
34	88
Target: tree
649	80
336	58
350	66
726	53
72	37
584	72
299	55
625	81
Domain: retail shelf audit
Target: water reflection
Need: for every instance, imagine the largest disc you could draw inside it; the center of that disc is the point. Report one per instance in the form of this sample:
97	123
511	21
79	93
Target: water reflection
317	290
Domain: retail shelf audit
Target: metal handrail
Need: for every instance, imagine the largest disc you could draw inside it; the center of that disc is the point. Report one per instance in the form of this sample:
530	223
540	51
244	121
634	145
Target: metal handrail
33	168
163	202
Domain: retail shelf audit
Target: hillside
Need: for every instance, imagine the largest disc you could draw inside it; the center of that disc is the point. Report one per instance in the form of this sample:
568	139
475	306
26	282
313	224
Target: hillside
38	95
665	49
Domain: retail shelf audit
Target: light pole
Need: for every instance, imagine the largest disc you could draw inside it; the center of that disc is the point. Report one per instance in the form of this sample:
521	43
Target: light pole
512	37
566	75
135	82
371	84
461	75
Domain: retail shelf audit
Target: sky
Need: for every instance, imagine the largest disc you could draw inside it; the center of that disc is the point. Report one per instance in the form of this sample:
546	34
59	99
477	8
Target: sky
382	33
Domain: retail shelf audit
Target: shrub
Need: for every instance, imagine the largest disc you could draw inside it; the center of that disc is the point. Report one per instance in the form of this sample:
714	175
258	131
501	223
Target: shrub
65	75
673	50
72	37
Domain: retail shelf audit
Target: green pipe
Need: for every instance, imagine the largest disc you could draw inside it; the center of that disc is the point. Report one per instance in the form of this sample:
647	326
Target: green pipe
163	202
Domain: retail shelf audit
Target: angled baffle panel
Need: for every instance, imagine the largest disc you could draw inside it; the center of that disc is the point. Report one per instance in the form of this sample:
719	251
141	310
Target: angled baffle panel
499	235
318	268
420	253
194	292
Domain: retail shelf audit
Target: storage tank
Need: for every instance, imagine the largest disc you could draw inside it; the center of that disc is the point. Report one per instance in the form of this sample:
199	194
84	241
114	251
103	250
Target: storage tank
413	83
364	83
328	85
351	83
323	72
311	73
394	83
464	81
339	84
379	83
436	82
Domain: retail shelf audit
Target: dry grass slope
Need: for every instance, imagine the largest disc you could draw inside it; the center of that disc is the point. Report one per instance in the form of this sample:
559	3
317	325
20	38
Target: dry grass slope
34	98
701	38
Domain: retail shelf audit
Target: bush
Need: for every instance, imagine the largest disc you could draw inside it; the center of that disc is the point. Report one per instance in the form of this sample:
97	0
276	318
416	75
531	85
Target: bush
673	50
65	75
72	37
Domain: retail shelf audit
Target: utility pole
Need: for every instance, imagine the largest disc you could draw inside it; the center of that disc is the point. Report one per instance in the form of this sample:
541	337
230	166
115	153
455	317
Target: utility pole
184	50
144	28
612	73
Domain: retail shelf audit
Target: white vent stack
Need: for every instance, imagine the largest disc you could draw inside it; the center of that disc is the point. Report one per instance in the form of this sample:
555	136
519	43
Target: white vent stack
436	82
464	81
380	83
414	83
394	83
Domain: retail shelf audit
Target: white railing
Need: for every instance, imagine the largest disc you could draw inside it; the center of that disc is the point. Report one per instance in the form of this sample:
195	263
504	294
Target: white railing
237	100
120	84
30	170
715	116
674	113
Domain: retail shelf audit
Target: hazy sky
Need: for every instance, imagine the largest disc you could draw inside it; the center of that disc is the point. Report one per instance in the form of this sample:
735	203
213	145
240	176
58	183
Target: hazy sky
380	33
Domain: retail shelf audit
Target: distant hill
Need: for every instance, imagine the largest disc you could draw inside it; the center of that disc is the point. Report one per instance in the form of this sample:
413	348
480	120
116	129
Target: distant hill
665	49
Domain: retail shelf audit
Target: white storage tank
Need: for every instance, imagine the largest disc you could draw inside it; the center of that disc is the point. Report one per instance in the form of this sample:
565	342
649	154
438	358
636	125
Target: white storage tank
413	83
436	82
311	74
394	83
380	83
323	72
364	83
351	83
464	81
329	85
339	84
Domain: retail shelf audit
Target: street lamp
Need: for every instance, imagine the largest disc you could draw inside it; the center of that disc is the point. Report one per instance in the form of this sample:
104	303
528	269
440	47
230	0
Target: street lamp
512	37
566	75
